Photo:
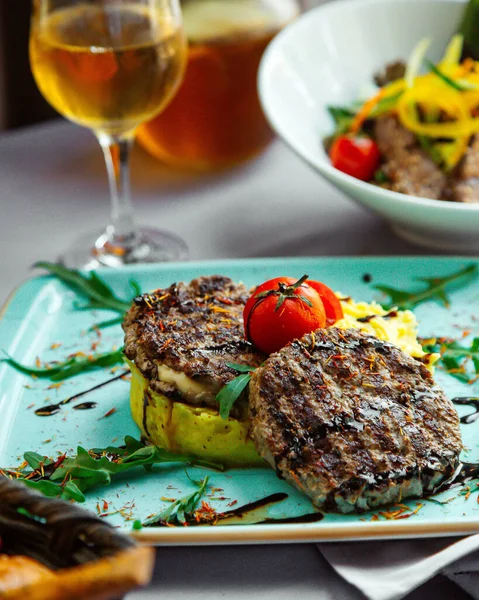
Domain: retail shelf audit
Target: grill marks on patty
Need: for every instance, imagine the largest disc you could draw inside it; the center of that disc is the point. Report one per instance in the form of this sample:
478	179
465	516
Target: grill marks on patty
353	421
193	329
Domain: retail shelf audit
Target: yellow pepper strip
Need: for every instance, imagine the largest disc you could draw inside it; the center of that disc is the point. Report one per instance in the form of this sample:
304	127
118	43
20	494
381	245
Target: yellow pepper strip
452	55
394	88
448	100
471	99
452	152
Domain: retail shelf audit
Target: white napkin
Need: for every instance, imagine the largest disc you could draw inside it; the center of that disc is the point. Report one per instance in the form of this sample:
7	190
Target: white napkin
391	570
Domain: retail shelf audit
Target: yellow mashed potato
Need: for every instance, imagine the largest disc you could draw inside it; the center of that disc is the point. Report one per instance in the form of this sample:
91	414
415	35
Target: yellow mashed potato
201	432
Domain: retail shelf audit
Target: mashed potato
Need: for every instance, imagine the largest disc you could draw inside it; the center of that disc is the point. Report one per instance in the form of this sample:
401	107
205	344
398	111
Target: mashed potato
398	327
201	432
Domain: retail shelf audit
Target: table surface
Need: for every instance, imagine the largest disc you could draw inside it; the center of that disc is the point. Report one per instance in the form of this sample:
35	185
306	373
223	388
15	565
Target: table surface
53	188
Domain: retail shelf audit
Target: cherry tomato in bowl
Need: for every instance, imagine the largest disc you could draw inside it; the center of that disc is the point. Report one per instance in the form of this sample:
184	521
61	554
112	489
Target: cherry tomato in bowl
355	156
284	309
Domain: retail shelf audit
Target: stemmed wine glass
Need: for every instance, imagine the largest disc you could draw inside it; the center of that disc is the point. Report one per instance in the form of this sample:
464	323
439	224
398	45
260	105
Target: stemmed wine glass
111	65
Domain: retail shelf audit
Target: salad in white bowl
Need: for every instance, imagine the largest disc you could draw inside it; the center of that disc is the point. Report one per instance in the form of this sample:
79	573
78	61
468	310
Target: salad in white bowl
414	132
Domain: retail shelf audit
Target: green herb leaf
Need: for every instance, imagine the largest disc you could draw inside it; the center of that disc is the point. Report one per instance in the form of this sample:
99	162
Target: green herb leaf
89	469
456	358
135	286
90	286
342	117
27	513
181	510
58	371
36	461
431	149
450	82
106	324
241	368
137	525
72	492
230	393
435	290
385	105
380	177
47	488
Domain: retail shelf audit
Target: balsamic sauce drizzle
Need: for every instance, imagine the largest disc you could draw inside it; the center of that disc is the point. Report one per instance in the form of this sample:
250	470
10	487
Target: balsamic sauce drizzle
466	471
242	511
468	401
248	510
53	409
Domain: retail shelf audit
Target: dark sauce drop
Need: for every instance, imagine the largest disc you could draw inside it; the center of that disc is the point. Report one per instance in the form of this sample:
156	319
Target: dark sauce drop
85	406
366	319
467	401
53	409
367	278
390	315
48	411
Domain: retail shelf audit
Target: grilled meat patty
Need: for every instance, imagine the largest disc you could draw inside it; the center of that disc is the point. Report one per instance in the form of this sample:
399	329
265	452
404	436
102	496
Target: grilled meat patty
181	339
353	421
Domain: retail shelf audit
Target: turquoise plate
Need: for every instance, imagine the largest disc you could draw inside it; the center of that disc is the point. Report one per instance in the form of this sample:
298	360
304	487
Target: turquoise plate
43	313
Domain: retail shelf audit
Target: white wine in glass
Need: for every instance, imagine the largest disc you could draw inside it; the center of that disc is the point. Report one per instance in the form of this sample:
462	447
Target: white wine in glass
111	65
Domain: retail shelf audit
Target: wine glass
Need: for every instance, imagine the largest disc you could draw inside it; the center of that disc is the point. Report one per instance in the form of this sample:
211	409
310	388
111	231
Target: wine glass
111	65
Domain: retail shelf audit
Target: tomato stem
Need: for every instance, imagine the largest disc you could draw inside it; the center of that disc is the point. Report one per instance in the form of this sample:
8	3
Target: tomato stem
286	291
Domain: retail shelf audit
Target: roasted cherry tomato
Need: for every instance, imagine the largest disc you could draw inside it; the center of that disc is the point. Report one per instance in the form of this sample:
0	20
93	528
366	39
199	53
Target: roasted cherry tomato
355	156
282	310
332	305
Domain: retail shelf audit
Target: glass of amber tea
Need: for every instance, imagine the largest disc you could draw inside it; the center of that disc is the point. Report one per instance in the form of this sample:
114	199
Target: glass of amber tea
216	120
111	65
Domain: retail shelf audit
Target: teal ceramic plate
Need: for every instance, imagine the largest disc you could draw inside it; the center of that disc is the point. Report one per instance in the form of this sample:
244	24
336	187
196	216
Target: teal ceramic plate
44	313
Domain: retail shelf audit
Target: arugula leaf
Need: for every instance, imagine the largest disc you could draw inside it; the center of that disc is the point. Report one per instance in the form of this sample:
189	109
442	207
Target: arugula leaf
71	477
435	290
181	510
455	358
230	393
36	461
135	286
72	492
58	371
106	324
91	286
241	368
45	487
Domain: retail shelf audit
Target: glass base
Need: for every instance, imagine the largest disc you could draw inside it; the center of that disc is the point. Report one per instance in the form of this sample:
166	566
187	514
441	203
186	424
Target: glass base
101	249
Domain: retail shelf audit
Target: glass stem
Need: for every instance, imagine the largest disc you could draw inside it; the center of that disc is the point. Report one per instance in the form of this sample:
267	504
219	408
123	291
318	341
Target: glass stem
117	150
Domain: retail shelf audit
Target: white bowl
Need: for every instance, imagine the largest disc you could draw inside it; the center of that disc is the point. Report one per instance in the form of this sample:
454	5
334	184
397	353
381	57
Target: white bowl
323	58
